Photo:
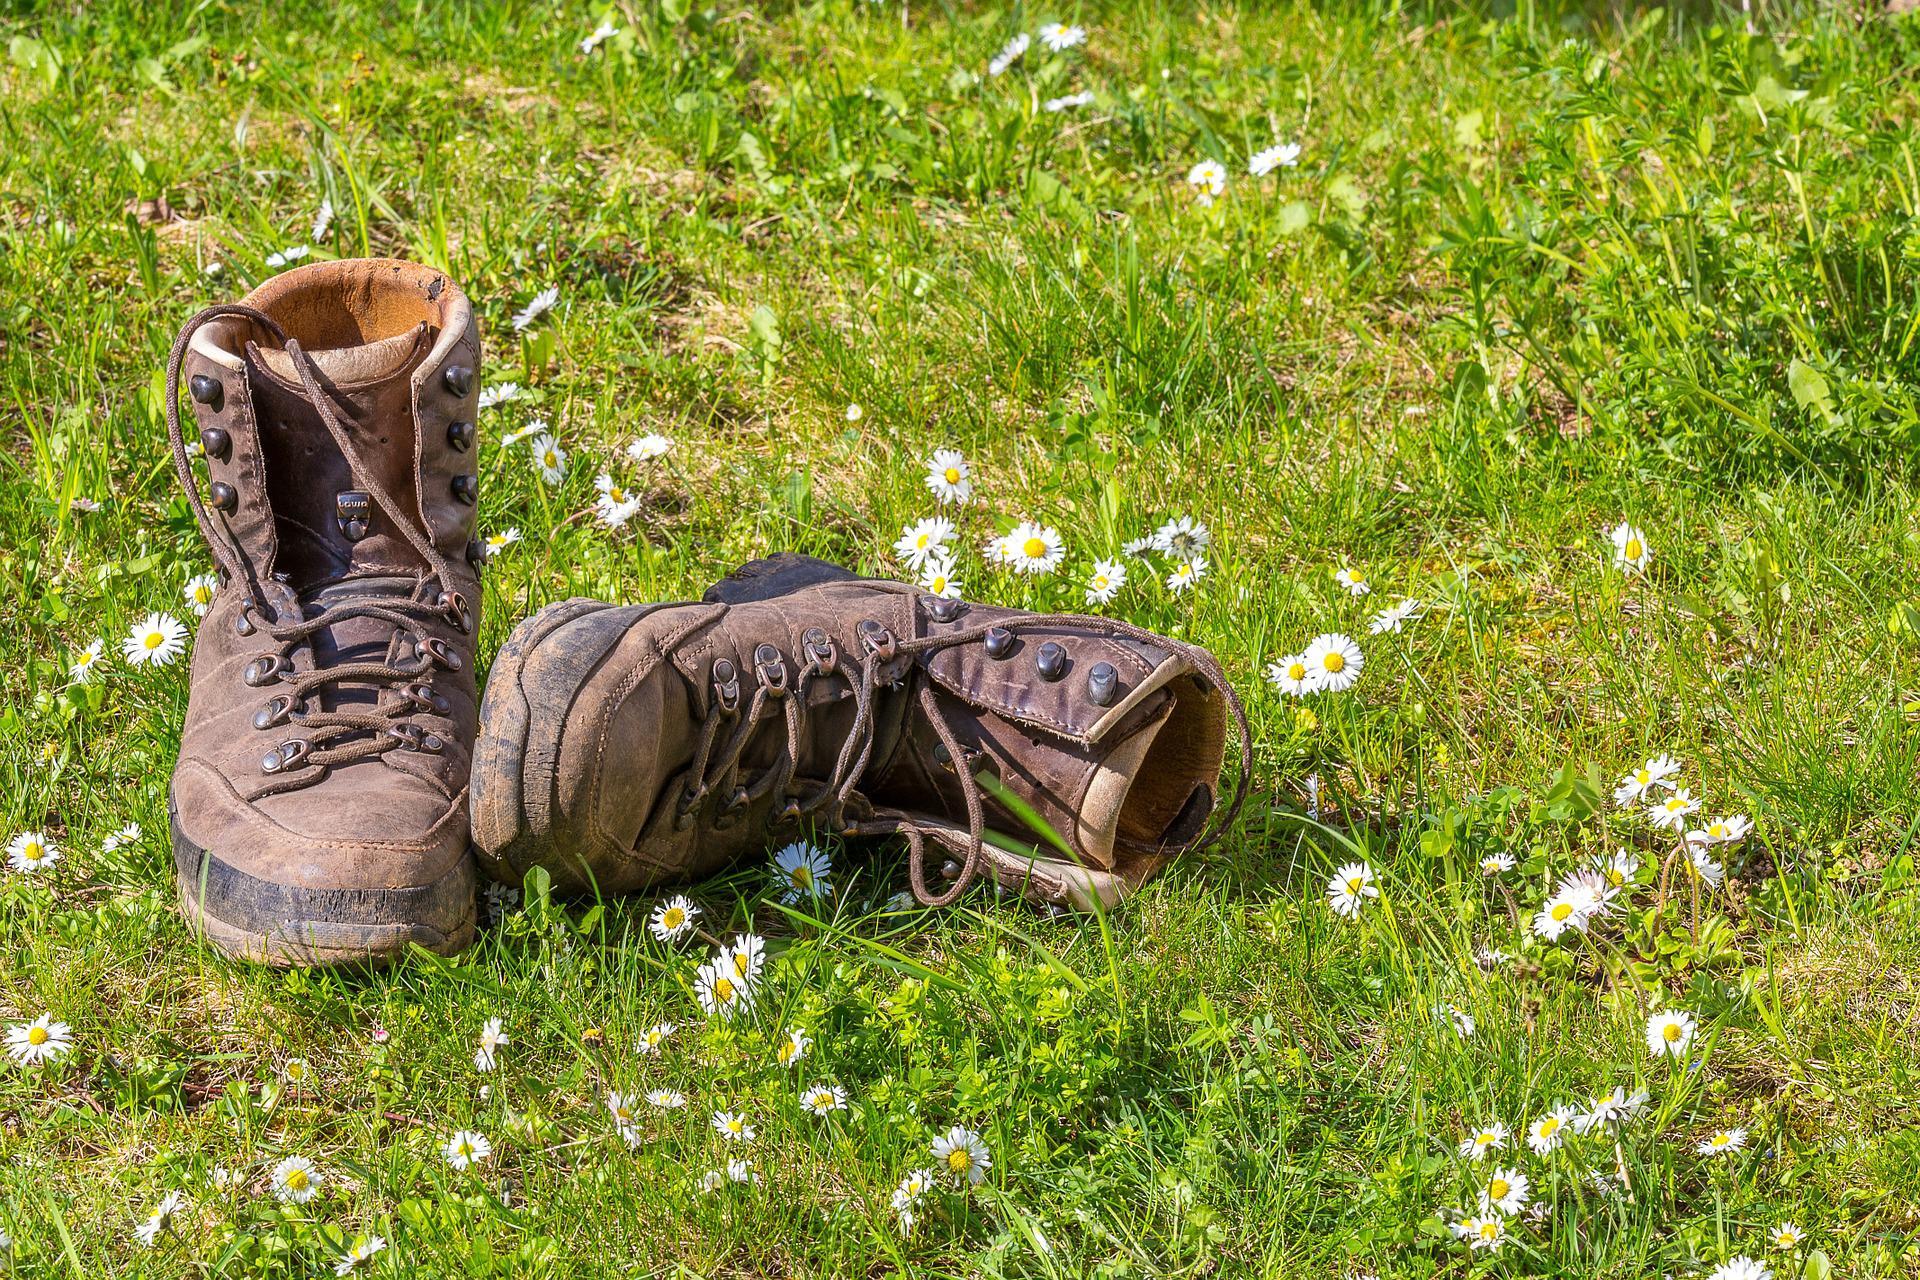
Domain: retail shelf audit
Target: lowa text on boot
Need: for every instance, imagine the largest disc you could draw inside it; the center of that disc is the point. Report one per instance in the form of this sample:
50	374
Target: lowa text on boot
622	747
319	806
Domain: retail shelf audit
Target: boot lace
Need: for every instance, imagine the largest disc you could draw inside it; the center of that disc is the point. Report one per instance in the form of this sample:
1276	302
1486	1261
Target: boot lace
780	692
340	735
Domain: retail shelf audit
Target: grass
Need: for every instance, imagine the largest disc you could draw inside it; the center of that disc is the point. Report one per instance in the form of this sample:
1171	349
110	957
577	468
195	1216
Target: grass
1536	272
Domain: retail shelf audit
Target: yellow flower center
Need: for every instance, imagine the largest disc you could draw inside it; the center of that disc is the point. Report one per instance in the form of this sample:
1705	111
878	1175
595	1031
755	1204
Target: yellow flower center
1034	548
939	583
1721	1139
154	640
740	963
38	1036
34	851
959	1159
1296	671
1356	579
549	458
1633	548
1484	1140
1549	1126
297	1179
1716	830
802	876
1643	777
673	917
1497	1189
1335	661
1099	582
1489	1230
722	990
952	475
1561	910
1672	1032
734	1126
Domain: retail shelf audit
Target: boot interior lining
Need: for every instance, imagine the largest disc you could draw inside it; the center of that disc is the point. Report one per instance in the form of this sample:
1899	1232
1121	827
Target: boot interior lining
1172	791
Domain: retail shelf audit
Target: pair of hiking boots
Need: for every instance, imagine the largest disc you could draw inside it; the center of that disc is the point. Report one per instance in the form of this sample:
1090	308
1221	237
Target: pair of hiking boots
338	771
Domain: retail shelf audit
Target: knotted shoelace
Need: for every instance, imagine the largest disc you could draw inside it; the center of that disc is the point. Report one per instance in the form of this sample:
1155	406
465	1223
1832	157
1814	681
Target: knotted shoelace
337	736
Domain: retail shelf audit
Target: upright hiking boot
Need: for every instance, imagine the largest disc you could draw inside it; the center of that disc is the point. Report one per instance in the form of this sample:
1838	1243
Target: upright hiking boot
627	746
319	808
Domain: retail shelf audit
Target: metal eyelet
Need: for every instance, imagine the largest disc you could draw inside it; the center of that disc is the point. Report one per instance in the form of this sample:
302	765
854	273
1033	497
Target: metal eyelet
998	642
875	638
726	685
275	712
1051	661
286	755
819	647
1102	683
243	620
458	612
943	608
264	670
414	738
439	651
770	668
731	811
426	698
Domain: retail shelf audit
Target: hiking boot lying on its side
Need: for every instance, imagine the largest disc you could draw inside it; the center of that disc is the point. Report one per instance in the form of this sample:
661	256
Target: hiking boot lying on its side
623	747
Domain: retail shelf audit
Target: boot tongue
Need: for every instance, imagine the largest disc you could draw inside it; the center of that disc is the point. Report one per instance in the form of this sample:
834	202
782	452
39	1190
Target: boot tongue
328	523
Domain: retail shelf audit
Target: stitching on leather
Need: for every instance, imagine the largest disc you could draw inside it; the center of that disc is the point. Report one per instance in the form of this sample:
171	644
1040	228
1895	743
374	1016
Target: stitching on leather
251	815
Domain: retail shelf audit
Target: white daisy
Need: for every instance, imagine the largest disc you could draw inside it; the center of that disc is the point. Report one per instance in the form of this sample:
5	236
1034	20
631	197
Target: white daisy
963	1155
745	957
148	1232
199	593
1671	814
1505	1190
1786	1236
1058	36
653	1039
1335	661
740	1171
1656	774
466	1149
1033	548
549	459
1703	864
494	543
32	851
1608	1108
1394	617
623	1107
1208	180
939	578
42	1040
363	1252
712	1180
1618	870
1183	538
1563	912
616	504
1009	54
666	1099
322	221
794	1047
499	393
1549	1132
1104	583
1461	1021
1282	155
822	1099
288	256
1741	1267
855	412
597	37
1487	1233
1067	102
1669	1033
733	1126
155	640
1349	888
673	919
948	476
486	1057
1630	549
1496	864
295	1180
85	663
1488	1137
120	839
1722	831
1354	581
1723	1143
923	540
1291	675
721	992
649	447
541	303
1184	574
1137	547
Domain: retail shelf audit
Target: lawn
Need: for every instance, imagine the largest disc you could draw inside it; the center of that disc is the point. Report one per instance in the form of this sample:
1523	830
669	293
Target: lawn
1593	333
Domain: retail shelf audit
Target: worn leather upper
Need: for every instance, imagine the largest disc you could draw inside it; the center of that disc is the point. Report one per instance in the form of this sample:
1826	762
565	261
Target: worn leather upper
381	336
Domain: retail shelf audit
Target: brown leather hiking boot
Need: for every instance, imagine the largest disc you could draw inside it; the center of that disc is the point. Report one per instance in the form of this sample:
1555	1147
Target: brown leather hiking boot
622	747
320	803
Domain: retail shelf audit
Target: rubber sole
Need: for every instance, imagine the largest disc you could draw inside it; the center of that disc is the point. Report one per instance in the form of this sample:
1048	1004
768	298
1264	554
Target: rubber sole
286	926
